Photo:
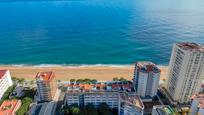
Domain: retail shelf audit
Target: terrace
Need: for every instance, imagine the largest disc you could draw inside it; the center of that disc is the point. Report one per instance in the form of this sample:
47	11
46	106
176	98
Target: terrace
9	107
132	99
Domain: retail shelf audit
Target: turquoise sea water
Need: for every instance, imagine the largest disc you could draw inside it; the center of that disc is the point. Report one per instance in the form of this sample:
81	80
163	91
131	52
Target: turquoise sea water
96	31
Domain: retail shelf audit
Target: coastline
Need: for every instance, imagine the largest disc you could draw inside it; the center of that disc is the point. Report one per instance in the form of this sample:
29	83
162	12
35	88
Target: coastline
67	72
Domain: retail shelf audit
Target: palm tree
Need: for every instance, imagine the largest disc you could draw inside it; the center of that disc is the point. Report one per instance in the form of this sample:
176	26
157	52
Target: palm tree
31	83
21	81
93	81
72	80
115	79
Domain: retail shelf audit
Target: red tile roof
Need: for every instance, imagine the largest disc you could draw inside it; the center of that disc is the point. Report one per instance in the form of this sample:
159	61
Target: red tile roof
46	76
2	73
9	107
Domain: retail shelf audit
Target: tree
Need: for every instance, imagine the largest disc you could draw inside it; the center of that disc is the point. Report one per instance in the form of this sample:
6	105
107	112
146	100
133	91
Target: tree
79	80
21	80
123	79
31	82
94	81
115	79
72	80
87	81
7	93
14	78
75	110
64	110
104	109
25	106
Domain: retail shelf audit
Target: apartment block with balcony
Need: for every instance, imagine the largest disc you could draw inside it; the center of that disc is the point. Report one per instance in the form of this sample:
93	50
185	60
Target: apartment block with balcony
46	86
5	81
127	103
146	79
186	71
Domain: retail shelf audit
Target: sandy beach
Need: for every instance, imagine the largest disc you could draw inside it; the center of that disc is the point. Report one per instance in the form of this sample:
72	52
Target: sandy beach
69	72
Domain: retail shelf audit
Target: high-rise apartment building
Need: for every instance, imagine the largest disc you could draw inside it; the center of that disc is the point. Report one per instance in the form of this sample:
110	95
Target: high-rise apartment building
146	79
186	71
5	81
46	86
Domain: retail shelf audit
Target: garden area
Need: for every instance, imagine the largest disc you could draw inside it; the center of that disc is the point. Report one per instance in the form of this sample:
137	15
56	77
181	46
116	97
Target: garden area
7	93
26	101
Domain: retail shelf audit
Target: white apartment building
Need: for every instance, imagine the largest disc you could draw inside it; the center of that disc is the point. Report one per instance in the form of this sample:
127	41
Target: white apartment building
146	79
95	98
197	105
127	104
5	81
186	71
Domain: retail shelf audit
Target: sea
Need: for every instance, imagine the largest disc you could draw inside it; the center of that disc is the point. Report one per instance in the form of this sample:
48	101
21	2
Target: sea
96	32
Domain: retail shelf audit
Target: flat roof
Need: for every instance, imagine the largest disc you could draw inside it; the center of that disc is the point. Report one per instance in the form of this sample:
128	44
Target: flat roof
97	87
2	73
8	106
147	66
190	46
45	76
133	99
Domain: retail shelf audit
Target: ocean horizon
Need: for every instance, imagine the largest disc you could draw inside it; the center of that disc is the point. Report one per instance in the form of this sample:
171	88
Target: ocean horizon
96	32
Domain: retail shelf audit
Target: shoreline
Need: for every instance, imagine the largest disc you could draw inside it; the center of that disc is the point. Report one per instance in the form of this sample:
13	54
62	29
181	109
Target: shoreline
67	72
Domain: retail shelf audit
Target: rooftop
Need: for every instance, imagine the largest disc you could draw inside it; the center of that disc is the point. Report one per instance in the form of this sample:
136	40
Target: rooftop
45	76
164	109
147	66
9	106
2	73
110	86
132	98
190	46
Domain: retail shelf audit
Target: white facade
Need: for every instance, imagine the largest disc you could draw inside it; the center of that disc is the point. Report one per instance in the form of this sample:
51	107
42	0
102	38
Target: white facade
95	98
186	71
5	81
126	103
146	79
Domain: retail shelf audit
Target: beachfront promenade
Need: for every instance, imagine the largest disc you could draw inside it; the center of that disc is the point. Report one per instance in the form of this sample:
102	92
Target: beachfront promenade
79	72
